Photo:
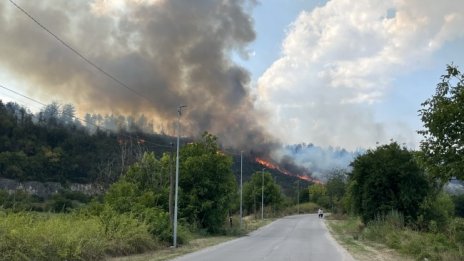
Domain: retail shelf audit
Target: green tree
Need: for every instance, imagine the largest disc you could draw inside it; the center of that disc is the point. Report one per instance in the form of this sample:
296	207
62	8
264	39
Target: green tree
207	185
299	189
318	195
443	118
252	191
385	179
336	188
143	191
146	183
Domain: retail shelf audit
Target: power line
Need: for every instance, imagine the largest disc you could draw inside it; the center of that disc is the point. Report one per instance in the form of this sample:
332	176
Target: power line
78	53
83	57
16	100
22	95
85	121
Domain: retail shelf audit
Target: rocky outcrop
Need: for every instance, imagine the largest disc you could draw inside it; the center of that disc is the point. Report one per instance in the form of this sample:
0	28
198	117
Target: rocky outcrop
47	189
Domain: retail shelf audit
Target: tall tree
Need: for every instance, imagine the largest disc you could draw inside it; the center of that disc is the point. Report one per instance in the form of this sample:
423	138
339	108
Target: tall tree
68	112
385	179
207	183
252	192
51	113
336	188
145	179
443	118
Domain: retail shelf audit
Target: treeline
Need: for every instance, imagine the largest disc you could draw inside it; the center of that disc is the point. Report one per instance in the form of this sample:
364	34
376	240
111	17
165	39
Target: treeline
53	145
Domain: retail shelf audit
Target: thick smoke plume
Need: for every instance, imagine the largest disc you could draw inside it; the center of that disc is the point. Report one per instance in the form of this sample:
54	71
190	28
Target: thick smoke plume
172	51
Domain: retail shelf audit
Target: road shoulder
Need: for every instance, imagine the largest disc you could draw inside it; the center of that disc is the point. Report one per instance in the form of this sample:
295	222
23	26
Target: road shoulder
359	249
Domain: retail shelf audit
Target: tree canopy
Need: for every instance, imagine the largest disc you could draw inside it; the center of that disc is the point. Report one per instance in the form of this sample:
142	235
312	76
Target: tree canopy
443	118
52	145
385	179
207	184
252	191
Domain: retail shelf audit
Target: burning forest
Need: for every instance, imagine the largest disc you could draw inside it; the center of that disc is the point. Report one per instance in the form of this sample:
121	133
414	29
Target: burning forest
149	75
297	172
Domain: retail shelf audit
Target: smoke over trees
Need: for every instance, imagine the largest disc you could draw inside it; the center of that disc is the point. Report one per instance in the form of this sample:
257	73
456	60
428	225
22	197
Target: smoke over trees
172	52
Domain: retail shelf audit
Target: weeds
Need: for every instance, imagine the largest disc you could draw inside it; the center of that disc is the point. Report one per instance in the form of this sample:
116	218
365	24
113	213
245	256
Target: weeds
391	231
39	236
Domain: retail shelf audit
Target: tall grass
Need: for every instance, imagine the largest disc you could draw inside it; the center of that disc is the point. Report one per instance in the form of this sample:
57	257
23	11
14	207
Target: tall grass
391	231
38	236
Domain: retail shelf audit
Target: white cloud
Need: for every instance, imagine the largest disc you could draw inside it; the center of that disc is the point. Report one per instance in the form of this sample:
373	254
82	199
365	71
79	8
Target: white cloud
340	58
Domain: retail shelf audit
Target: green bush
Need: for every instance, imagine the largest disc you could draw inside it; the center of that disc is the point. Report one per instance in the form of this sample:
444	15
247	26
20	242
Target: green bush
64	201
19	201
459	205
158	223
436	212
456	230
125	235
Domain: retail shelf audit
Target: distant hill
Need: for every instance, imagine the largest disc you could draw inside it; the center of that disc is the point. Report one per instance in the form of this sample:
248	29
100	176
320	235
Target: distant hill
51	146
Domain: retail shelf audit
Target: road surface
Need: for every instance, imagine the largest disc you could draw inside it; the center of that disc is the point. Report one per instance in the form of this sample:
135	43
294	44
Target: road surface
293	238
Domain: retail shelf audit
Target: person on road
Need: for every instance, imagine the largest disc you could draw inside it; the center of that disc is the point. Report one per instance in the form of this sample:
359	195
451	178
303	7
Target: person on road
320	213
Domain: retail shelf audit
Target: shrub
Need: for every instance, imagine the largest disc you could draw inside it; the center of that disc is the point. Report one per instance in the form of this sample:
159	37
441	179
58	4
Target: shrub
436	213
459	205
456	230
387	178
158	223
126	235
49	237
33	236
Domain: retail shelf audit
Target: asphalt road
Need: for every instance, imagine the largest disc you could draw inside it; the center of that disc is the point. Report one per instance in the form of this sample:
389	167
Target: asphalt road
295	238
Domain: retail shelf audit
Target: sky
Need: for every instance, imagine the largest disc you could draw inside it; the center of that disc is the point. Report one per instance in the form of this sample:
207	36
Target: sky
352	73
339	73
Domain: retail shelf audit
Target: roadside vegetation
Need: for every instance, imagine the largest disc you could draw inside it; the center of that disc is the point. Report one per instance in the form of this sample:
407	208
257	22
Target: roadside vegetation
391	198
395	198
135	213
39	236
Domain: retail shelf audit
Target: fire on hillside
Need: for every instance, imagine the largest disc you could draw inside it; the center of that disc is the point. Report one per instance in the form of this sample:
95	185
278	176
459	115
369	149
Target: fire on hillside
271	165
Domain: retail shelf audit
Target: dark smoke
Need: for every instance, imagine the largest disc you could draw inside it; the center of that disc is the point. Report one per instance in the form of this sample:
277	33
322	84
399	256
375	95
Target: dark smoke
173	52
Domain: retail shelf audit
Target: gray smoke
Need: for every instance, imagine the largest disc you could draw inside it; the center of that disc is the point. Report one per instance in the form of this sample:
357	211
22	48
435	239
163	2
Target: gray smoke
319	161
172	51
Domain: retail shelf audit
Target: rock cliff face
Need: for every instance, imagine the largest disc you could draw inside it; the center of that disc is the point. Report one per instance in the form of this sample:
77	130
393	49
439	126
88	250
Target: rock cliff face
47	189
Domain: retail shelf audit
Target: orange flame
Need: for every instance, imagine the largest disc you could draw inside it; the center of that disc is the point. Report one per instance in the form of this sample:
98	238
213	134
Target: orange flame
271	165
265	163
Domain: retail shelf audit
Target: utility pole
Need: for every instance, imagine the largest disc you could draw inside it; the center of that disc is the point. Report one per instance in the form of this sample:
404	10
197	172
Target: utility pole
254	200
171	187
262	195
241	187
179	113
298	196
